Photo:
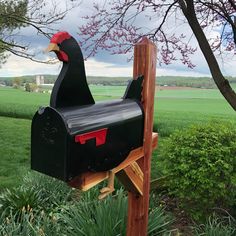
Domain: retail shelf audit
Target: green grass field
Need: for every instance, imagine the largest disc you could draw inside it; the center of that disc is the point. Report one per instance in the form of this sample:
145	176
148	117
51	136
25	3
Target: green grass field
14	150
17	103
20	104
174	109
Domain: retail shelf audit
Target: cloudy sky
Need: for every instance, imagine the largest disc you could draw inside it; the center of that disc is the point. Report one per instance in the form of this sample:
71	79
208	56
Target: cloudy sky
103	64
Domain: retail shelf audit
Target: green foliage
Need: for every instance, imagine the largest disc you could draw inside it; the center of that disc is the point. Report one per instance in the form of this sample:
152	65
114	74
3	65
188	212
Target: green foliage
33	208
24	211
56	193
17	83
216	226
159	222
30	87
27	87
202	165
17	10
18	200
30	224
37	192
108	217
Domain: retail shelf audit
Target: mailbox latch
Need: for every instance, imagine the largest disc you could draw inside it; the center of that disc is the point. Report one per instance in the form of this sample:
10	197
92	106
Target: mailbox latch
99	135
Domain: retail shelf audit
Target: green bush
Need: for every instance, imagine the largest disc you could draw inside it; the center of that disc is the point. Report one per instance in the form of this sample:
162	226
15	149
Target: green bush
86	216
19	200
30	224
107	217
90	216
53	191
217	226
37	193
45	206
201	163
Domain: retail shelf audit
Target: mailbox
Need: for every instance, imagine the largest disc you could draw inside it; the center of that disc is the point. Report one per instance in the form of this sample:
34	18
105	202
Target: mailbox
74	134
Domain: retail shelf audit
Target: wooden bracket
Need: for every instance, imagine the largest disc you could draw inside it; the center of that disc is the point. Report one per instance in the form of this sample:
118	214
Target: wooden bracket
132	178
110	186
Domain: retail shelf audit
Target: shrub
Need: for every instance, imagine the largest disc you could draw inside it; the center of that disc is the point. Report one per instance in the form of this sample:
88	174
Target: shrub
95	217
216	226
55	192
45	206
159	223
202	165
19	200
37	192
108	217
30	224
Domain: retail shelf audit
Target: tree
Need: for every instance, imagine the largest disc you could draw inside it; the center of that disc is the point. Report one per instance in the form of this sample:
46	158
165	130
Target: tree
17	83
15	14
27	87
114	26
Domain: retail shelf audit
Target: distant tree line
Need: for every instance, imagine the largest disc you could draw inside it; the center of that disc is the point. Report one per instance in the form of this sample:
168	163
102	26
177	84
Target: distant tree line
10	81
180	81
194	82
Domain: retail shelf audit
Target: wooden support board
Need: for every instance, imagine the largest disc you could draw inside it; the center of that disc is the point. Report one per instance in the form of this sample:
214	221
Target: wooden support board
145	54
132	178
90	179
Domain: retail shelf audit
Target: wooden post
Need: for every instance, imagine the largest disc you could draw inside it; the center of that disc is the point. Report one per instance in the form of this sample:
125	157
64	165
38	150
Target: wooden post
145	54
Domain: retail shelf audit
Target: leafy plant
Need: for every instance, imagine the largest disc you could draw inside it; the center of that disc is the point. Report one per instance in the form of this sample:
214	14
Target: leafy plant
33	209
202	165
54	192
159	222
108	217
93	217
37	193
19	200
217	226
30	224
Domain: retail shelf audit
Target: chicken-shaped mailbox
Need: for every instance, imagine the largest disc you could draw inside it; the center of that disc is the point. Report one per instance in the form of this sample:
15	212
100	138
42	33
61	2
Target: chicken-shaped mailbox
74	134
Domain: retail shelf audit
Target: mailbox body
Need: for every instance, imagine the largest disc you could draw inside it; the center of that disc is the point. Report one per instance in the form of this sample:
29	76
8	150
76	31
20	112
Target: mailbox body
66	142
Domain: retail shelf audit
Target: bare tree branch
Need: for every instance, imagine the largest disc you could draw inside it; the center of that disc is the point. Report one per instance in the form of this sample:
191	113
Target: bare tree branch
39	15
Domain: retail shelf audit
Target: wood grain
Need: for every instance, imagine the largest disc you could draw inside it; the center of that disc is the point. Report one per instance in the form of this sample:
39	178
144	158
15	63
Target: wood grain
145	54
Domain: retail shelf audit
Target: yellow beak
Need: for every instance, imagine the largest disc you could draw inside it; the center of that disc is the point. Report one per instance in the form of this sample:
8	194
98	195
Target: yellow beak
52	47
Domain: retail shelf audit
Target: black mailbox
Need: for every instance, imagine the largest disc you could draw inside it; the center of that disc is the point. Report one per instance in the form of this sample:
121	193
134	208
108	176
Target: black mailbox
74	134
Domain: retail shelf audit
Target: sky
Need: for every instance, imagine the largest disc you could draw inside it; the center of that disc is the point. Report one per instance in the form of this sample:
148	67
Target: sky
103	64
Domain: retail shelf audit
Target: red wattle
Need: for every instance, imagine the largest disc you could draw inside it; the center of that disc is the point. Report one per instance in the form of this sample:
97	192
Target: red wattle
62	56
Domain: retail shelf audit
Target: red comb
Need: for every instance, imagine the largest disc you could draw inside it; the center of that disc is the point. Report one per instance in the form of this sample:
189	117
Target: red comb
60	37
